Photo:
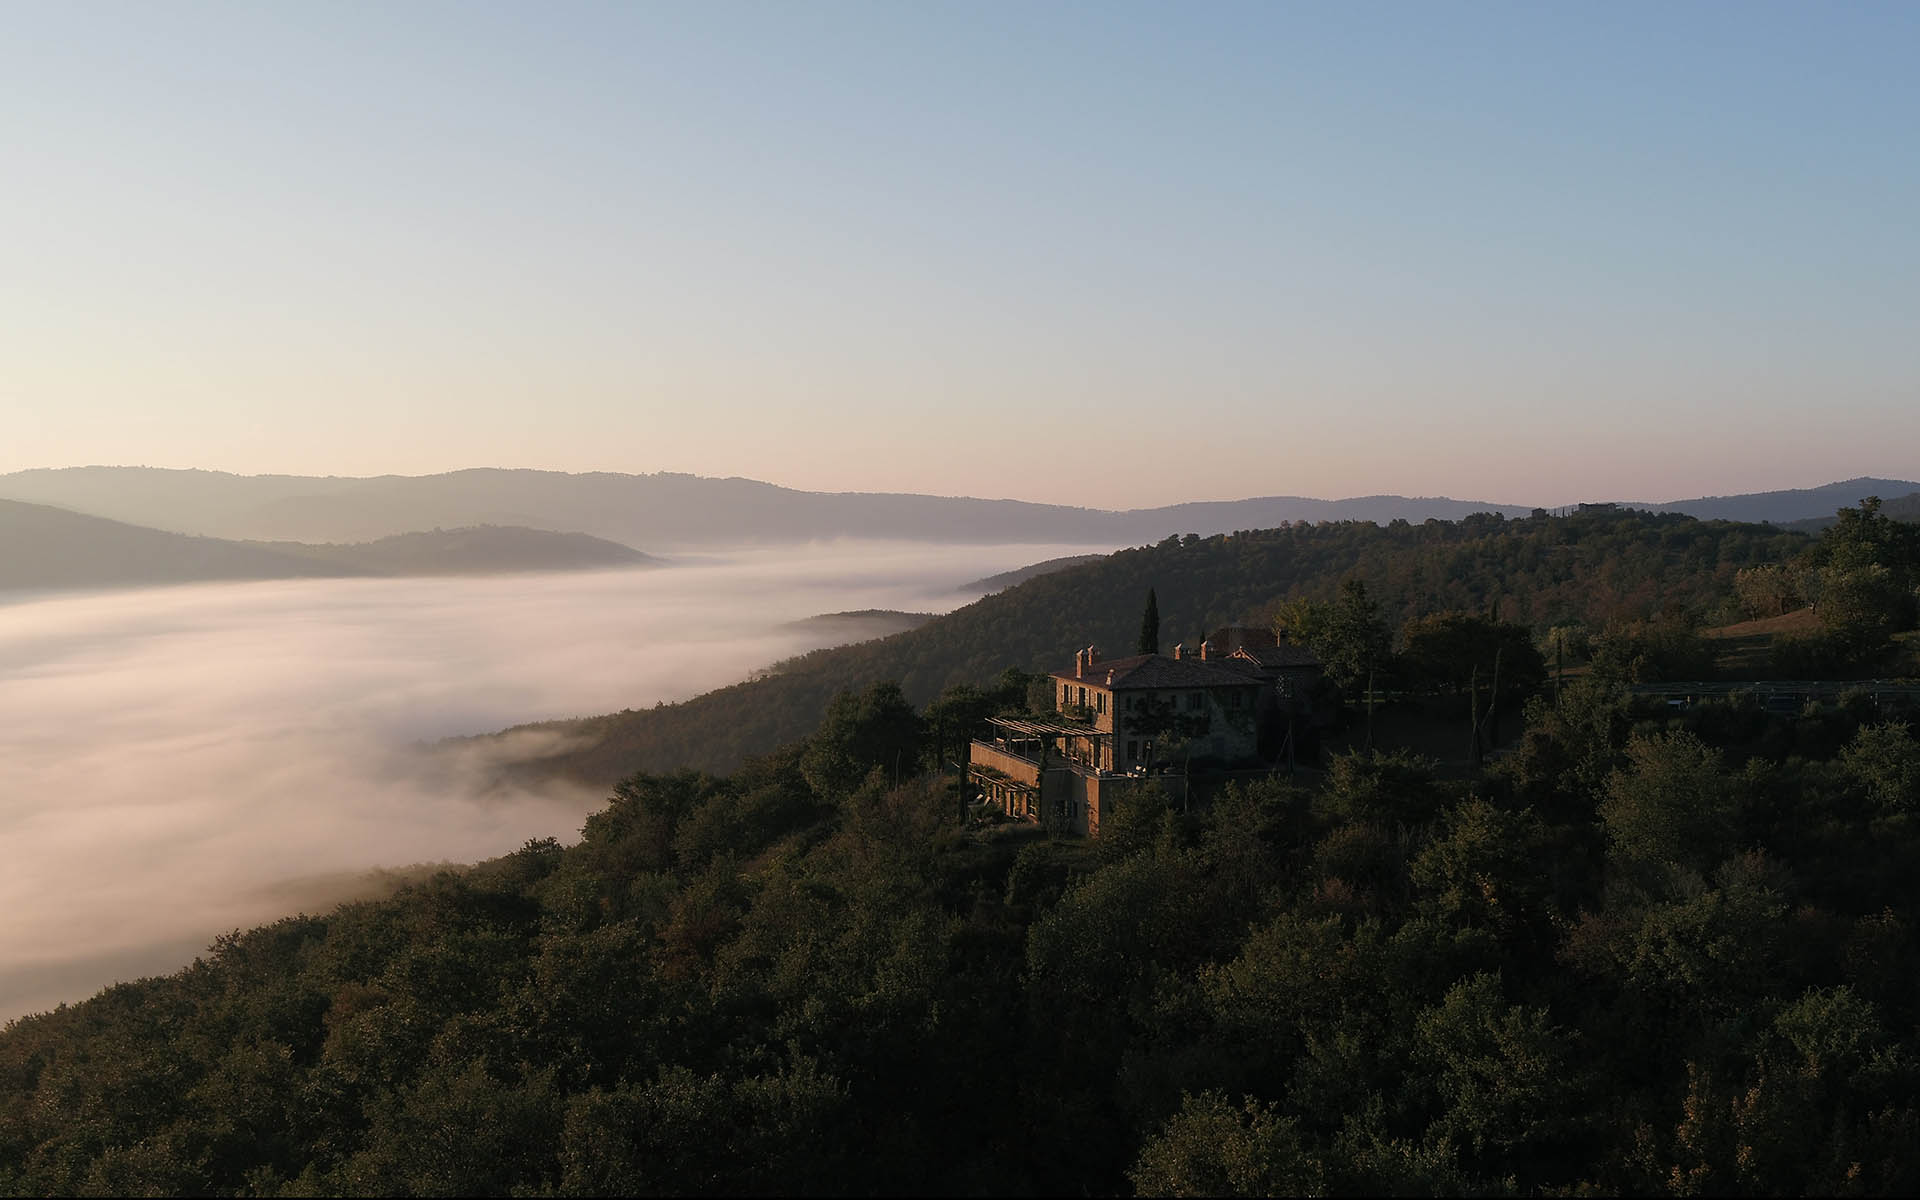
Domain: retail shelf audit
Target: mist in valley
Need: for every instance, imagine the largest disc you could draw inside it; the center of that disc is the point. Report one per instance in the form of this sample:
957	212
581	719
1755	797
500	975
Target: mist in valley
179	762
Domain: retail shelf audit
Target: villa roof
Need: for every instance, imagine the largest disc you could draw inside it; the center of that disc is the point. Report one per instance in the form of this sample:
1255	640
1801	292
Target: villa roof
1159	671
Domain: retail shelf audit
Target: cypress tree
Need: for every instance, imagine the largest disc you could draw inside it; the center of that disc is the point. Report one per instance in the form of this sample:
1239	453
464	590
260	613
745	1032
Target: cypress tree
1150	625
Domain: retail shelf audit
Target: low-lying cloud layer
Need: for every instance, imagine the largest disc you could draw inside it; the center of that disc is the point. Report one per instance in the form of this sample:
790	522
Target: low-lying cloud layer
179	762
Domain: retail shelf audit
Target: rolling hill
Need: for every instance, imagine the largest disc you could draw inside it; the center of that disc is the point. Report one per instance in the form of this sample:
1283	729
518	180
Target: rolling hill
478	550
1900	508
1791	506
42	547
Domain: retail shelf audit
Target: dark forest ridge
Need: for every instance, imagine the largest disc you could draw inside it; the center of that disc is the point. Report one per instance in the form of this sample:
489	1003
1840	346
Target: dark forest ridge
861	625
1007	579
663	510
46	547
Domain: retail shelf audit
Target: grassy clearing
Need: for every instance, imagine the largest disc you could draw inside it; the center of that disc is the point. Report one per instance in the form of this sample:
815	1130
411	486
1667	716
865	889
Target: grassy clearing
1746	647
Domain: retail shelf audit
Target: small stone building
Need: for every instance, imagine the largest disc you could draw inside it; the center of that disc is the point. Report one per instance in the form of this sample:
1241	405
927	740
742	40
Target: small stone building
1290	670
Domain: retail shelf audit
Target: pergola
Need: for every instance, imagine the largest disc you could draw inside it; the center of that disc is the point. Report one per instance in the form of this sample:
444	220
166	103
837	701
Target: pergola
1036	739
1029	730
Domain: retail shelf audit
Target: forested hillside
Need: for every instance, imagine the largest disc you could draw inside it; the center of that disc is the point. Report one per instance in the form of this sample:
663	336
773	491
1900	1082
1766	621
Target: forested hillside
1537	571
478	550
45	547
1650	953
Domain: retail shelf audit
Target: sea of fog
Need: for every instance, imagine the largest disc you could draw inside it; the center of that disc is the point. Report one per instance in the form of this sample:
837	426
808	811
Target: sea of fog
179	762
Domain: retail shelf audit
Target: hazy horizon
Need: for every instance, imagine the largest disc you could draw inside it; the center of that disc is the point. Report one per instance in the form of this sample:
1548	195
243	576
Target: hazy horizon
1793	484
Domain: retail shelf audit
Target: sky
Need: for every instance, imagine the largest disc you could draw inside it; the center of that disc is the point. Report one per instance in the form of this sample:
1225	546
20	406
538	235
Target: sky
1106	254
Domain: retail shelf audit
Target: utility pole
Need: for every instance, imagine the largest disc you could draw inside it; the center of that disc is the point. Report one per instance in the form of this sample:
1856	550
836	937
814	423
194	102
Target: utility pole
1493	701
1473	717
1369	708
1040	783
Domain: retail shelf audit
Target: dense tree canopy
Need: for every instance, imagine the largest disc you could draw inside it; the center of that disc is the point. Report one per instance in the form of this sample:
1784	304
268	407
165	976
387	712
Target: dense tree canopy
1650	952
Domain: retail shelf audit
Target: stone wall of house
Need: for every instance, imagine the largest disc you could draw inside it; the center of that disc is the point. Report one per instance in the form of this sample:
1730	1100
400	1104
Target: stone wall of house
1233	734
984	754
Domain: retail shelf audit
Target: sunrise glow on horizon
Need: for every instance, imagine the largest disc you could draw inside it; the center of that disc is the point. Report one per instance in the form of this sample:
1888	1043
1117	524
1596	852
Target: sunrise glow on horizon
1106	255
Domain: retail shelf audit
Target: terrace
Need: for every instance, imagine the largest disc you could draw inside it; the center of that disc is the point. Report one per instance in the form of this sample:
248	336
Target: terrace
1040	744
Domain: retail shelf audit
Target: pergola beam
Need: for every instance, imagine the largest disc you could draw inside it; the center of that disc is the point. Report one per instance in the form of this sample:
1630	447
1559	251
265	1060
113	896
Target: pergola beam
1044	728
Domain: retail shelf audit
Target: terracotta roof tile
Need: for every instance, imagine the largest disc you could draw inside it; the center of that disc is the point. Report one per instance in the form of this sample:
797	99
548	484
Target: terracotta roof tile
1160	671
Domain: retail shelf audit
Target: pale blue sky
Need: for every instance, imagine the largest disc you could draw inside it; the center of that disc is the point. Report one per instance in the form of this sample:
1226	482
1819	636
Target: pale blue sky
1104	254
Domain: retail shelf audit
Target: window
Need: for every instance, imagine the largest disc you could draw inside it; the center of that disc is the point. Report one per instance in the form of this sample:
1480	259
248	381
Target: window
1083	697
1099	702
1196	701
1233	698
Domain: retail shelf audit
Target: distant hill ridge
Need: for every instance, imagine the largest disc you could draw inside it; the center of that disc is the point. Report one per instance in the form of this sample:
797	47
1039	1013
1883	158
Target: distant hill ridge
656	511
1899	508
43	547
1792	505
666	509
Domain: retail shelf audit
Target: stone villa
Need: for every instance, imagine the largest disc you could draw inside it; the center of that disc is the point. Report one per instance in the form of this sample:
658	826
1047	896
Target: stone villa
1121	722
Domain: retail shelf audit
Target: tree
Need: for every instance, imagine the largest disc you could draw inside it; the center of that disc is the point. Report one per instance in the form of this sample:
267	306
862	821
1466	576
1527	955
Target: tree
1884	762
1674	803
1482	868
1347	634
1502	1071
1384	788
962	710
1863	537
1863	606
1640	651
1766	591
862	731
1211	1148
1150	625
1824	1108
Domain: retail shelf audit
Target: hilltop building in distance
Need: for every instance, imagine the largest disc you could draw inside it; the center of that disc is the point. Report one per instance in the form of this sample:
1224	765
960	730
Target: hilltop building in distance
1157	720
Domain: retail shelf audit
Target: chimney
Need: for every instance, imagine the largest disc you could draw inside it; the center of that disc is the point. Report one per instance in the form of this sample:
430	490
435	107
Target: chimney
1109	676
1206	650
1079	664
1179	649
1093	656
